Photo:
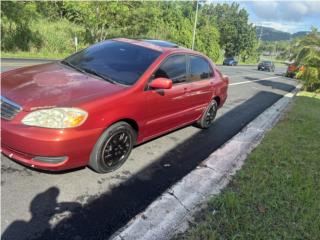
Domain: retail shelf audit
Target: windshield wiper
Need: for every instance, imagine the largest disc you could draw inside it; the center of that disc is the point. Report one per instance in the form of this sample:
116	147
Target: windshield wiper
71	65
90	71
103	76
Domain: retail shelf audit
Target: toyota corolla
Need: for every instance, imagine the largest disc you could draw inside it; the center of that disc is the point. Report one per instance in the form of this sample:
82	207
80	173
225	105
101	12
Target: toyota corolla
93	107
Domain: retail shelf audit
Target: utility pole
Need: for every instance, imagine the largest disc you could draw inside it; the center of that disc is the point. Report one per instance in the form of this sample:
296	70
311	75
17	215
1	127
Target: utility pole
261	30
195	25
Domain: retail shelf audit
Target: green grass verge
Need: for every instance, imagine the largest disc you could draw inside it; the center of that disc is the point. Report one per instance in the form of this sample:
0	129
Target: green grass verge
276	195
45	55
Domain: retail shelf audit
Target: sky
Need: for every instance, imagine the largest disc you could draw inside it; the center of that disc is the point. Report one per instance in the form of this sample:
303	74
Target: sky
289	16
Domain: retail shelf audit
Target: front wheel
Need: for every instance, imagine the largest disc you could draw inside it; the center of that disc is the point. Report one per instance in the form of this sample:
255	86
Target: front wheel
208	116
112	148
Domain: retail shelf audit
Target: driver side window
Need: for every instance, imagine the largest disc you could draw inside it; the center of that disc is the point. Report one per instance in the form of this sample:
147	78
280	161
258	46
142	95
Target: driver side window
174	68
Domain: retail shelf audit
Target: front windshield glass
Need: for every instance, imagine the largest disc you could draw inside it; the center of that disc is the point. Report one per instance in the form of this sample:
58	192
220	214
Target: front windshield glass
114	61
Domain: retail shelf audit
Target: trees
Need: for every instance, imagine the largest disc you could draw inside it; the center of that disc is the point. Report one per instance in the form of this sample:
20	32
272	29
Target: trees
308	55
15	26
237	36
219	26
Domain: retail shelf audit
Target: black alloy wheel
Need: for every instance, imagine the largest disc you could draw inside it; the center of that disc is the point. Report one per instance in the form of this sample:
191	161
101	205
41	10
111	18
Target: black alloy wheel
113	148
208	116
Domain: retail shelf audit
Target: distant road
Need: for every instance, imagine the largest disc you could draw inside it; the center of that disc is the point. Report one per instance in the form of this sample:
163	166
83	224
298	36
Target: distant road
11	63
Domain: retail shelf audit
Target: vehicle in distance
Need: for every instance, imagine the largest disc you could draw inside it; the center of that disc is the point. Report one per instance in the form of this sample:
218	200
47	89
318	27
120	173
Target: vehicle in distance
293	69
230	62
94	106
266	66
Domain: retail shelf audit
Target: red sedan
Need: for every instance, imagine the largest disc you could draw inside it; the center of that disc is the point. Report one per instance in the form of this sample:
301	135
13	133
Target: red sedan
94	106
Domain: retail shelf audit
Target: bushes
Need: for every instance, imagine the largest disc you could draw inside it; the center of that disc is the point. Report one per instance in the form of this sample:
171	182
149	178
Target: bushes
15	26
19	37
308	56
58	37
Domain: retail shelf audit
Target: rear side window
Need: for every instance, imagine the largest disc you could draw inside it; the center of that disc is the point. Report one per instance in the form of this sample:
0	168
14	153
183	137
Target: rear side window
199	69
174	68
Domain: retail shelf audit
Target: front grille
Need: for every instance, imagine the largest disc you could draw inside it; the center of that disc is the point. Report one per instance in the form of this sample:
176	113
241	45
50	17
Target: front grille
9	109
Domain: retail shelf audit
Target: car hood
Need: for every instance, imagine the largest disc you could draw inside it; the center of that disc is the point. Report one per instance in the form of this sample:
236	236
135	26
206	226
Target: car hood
52	84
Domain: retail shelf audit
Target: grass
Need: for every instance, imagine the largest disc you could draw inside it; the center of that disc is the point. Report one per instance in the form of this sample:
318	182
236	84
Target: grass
276	195
40	54
57	40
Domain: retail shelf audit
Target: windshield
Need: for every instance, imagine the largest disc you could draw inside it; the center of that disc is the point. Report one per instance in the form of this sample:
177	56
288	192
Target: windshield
114	61
266	62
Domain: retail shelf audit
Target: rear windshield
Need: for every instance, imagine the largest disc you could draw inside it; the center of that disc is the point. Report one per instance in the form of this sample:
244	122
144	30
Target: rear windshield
266	62
115	61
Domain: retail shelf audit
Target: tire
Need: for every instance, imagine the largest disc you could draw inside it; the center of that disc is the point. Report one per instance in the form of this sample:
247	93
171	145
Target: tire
112	148
204	122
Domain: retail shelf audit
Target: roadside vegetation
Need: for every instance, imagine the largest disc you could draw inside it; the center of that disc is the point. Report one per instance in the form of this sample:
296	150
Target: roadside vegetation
276	194
303	51
47	29
307	54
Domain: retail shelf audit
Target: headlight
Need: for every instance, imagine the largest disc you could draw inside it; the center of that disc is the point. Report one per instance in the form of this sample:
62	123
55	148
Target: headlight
56	118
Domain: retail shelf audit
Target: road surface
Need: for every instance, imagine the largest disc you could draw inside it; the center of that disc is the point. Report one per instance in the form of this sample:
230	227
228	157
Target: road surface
82	204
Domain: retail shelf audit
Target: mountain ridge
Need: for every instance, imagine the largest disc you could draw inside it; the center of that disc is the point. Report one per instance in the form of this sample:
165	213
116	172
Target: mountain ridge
271	34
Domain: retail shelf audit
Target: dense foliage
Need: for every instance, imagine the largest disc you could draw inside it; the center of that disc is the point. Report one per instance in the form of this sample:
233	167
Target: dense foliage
307	54
45	26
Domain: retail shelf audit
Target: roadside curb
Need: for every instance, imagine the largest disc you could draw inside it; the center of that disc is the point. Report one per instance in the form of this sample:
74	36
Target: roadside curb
171	212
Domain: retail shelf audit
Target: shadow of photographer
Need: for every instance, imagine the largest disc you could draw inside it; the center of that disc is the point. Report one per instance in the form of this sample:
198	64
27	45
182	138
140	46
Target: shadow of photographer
43	208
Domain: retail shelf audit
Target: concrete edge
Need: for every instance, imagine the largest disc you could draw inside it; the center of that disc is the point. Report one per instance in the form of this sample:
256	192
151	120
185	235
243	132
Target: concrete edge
171	212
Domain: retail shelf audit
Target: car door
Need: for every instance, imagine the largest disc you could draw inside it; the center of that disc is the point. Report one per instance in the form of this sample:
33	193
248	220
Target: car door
166	107
201	79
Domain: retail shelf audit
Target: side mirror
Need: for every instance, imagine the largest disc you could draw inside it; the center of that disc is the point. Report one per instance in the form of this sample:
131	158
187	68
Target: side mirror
161	83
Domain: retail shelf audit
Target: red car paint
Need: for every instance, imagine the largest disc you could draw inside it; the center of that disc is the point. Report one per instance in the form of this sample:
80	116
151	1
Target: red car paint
53	84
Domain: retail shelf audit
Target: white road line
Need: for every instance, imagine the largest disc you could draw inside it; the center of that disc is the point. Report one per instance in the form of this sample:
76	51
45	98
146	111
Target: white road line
244	82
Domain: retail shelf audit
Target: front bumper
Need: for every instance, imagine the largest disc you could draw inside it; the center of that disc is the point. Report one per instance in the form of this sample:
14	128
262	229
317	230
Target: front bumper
48	149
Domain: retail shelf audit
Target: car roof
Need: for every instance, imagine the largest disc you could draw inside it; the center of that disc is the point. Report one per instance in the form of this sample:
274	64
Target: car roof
162	43
158	45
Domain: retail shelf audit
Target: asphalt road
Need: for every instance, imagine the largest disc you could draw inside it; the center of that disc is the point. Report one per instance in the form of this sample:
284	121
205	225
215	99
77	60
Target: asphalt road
82	204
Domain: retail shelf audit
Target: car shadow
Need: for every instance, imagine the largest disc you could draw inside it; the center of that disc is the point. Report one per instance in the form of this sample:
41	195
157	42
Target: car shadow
108	212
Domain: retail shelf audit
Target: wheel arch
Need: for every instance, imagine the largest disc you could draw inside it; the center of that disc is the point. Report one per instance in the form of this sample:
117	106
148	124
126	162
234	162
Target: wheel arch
217	99
131	122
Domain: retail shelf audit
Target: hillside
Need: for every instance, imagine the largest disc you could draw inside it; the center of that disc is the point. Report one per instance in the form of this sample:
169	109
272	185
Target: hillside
271	34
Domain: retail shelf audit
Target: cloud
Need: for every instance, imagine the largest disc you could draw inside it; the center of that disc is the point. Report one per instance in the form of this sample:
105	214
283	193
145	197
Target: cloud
285	27
293	11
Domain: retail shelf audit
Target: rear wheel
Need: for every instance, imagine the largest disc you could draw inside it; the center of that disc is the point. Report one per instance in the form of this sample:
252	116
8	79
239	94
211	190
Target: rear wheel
112	148
209	115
